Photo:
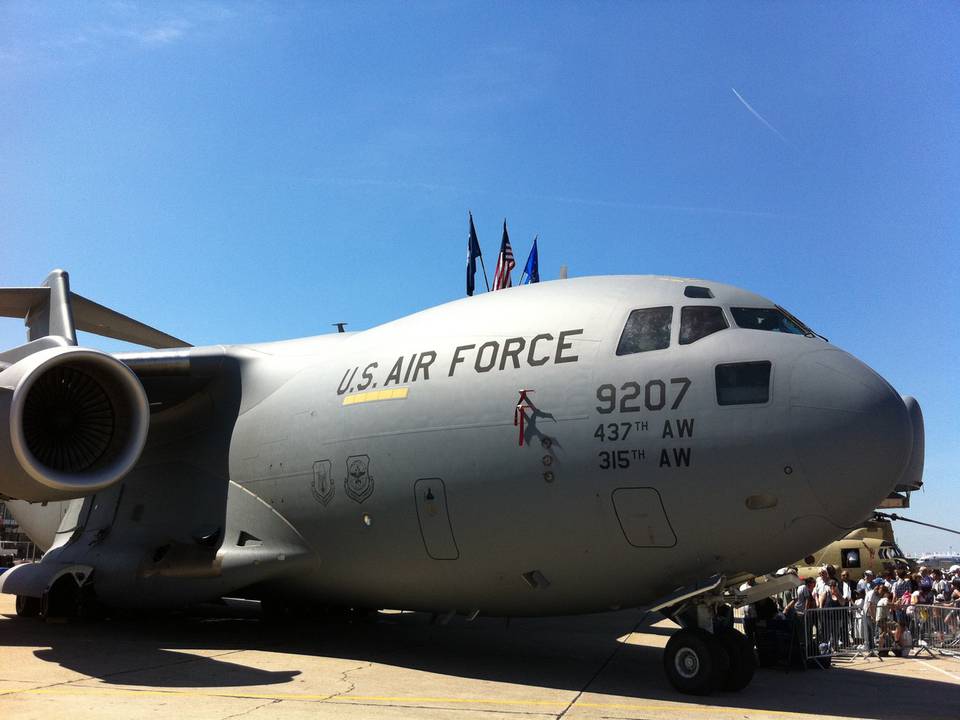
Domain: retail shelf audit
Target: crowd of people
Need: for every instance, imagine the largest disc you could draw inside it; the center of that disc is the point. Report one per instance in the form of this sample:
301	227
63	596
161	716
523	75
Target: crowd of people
884	605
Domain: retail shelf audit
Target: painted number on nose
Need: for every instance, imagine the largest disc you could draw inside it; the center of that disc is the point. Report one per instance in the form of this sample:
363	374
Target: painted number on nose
654	395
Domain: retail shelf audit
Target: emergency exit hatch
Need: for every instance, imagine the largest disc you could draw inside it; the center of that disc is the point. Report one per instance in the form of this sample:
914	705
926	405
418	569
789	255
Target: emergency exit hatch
436	530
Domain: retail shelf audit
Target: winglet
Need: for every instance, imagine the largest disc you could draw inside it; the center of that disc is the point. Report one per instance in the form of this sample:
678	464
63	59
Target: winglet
53	317
52	309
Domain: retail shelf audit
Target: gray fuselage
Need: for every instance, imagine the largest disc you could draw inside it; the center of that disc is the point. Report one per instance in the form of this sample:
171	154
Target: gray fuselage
633	480
384	468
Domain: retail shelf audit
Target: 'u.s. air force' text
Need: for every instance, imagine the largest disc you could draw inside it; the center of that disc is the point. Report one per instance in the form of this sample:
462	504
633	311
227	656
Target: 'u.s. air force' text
490	356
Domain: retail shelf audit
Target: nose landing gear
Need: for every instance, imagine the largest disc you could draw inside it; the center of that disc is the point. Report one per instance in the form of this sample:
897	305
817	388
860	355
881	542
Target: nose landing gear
743	659
698	662
707	654
695	661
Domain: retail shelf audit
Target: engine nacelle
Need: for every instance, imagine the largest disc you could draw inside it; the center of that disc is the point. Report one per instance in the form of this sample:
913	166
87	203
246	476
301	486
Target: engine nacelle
72	421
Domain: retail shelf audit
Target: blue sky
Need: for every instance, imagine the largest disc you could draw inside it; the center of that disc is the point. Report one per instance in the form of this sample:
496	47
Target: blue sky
254	171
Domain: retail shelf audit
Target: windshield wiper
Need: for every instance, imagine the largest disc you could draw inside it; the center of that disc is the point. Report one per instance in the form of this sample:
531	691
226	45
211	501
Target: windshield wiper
806	330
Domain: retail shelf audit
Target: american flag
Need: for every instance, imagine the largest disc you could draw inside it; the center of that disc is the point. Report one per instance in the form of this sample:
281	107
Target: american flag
505	263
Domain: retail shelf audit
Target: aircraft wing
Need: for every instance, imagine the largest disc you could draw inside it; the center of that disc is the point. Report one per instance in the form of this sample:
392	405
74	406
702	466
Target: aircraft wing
95	318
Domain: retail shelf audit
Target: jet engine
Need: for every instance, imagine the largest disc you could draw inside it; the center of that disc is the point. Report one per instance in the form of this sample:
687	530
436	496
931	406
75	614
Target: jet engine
72	421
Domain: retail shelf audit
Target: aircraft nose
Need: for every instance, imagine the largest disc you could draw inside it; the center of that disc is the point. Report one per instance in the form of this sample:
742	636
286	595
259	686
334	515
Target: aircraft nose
851	432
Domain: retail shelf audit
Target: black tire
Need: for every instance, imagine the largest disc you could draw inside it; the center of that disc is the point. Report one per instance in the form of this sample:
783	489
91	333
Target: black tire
696	662
62	600
28	606
743	660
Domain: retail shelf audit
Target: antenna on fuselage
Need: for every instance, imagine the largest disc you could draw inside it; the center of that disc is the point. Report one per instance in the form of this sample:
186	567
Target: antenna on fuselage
340	326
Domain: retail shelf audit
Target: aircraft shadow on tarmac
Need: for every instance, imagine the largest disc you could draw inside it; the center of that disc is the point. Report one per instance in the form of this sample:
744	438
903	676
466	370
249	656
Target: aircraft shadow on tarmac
573	654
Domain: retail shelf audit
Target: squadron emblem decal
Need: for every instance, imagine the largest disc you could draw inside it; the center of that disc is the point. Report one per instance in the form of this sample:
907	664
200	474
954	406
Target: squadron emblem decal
358	483
323	486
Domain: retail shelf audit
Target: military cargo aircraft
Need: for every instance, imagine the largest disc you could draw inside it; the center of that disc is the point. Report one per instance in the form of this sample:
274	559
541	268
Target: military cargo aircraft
565	447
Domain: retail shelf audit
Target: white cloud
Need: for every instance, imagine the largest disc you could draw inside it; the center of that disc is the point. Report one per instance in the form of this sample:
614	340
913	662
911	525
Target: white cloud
116	26
162	33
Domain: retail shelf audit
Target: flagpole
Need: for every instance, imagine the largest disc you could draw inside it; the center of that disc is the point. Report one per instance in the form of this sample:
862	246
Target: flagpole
479	254
525	273
484	273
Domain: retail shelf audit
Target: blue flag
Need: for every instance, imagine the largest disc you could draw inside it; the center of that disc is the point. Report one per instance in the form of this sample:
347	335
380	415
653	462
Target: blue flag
473	252
532	269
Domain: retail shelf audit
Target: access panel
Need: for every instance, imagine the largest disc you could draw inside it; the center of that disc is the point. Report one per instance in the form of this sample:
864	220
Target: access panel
430	496
642	517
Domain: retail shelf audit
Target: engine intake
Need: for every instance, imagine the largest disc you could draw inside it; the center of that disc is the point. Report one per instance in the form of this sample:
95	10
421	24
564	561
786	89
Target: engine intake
76	422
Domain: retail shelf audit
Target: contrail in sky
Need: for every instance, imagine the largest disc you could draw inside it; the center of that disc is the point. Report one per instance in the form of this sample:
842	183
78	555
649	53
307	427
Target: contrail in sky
762	119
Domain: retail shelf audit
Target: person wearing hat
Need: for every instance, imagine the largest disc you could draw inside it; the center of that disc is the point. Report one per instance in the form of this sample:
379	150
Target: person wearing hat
865	581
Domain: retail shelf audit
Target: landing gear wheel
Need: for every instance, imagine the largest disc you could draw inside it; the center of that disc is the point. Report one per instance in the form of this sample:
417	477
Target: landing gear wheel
28	606
743	661
696	662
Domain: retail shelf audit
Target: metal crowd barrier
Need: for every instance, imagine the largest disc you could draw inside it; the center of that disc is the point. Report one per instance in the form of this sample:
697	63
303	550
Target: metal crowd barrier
836	633
845	633
934	629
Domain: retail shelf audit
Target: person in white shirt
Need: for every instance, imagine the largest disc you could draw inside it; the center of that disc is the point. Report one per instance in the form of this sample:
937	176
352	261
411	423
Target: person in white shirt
885	622
846	588
864	583
870	612
822	582
889	578
940	584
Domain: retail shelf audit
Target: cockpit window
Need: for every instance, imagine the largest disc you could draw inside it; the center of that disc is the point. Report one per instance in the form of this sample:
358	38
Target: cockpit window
647	329
746	383
766	319
698	321
695	291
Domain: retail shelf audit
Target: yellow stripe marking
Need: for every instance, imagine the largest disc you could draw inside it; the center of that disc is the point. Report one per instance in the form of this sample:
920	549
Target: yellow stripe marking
375	395
396	699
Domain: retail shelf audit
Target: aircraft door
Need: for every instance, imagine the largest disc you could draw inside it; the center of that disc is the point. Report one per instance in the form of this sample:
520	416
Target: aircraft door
430	496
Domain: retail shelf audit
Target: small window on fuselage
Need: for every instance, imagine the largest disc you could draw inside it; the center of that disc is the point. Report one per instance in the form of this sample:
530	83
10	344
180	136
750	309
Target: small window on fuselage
746	383
850	558
698	321
695	291
647	329
772	319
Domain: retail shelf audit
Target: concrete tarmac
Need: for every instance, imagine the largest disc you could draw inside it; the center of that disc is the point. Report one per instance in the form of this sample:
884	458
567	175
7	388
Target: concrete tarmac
401	666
